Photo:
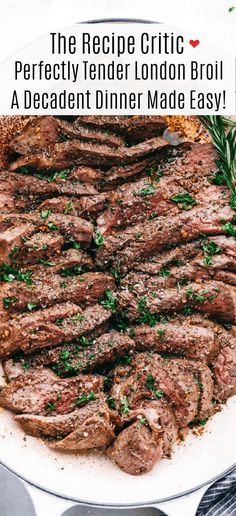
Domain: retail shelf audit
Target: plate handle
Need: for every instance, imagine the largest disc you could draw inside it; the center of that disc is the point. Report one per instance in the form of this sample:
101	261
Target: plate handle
185	505
46	504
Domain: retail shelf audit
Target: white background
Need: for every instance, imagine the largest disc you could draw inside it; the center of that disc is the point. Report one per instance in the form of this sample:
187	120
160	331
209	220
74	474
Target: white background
22	21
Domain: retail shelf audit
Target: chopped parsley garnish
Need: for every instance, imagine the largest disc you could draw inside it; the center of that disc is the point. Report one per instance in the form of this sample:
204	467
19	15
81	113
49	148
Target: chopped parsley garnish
132	333
46	262
63	174
31	306
98	239
124	406
144	314
185	199
109	301
64	364
208	260
161	332
210	249
83	341
116	275
142	420
152	170
155	173
149	190
45	214
59	322
188	310
84	398
51	406
25	366
202	296
164	272
8	301
9	273
64	355
111	402
197	422
13	253
52	226
78	317
230	229
68	207
71	271
153	215
75	245
23	170
159	394
150	384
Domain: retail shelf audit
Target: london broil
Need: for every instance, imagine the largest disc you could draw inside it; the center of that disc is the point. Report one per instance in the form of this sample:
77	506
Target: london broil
156	71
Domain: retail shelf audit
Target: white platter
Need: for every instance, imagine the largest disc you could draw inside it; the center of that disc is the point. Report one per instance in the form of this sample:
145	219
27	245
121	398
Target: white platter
94	479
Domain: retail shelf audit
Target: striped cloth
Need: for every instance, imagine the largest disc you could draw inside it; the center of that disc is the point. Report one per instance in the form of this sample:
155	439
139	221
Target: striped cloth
220	498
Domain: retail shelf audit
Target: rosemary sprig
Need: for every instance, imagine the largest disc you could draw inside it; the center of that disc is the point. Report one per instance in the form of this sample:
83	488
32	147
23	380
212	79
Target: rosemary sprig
225	144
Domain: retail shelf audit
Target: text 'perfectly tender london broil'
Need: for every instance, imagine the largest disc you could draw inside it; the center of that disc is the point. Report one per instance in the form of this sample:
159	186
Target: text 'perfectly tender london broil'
118	285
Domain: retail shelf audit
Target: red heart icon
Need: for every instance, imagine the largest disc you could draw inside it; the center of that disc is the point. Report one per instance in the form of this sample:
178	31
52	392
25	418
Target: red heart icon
194	42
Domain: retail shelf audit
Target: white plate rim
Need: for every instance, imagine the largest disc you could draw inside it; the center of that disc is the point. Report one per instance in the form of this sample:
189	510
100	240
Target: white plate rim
116	505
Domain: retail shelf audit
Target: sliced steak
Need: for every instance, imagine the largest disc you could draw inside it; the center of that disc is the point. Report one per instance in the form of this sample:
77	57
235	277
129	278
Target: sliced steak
224	370
203	377
32	189
137	448
50	327
39	394
7	204
89	206
142	240
194	342
191	161
72	228
70	263
38	248
61	424
43	132
38	134
134	202
225	335
215	247
158	415
196	270
34	330
135	128
120	174
86	354
102	137
84	289
226	277
213	298
154	377
87	175
147	199
14	368
94	431
11	239
73	152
